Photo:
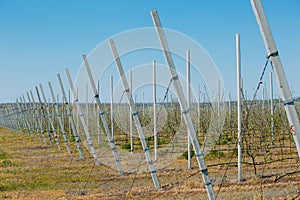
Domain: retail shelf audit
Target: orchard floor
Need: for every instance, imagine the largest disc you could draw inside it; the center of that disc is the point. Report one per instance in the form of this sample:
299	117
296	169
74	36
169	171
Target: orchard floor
32	170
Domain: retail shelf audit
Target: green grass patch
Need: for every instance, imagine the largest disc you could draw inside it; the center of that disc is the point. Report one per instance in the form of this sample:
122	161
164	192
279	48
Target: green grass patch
39	186
235	152
8	163
3	155
72	139
11	186
9	171
215	154
225	140
126	147
162	141
185	154
150	138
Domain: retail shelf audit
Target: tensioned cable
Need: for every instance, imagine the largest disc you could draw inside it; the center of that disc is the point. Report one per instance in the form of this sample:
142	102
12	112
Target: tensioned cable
85	184
133	181
122	97
165	97
247	117
258	85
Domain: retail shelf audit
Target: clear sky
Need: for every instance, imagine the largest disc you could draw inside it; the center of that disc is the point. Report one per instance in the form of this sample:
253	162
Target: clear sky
38	39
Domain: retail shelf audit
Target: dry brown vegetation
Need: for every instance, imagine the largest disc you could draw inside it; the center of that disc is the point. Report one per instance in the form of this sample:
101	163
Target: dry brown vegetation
31	170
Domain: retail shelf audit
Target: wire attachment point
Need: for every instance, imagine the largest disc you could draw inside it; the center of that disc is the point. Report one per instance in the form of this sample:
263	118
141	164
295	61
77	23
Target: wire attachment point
289	102
274	54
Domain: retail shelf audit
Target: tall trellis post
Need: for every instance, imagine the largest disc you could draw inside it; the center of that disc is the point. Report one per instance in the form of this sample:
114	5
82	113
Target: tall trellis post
83	122
59	117
70	116
47	106
103	118
273	55
134	114
185	111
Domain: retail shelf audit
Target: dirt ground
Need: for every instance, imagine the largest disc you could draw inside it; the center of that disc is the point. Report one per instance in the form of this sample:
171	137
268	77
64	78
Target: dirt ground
32	170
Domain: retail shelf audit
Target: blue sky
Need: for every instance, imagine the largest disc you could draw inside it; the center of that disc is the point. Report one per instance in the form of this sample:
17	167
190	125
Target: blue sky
38	39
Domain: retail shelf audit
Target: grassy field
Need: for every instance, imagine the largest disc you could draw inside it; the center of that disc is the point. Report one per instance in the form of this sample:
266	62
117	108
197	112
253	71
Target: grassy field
31	170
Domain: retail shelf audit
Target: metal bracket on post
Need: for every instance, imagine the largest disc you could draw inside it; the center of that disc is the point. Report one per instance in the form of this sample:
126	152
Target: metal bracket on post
275	53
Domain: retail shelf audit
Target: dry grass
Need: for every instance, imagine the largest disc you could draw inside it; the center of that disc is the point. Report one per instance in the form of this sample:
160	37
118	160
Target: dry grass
31	170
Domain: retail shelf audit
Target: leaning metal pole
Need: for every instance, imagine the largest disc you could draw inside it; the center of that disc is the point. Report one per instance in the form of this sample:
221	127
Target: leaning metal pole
134	114
32	118
282	83
103	117
46	105
183	105
83	122
43	114
74	130
26	117
22	118
64	134
39	124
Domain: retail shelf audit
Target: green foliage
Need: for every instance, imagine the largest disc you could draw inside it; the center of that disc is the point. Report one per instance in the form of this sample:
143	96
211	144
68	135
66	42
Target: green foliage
162	141
38	185
215	154
10	186
126	147
3	155
185	154
4	161
7	163
150	138
72	139
225	140
9	171
235	152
